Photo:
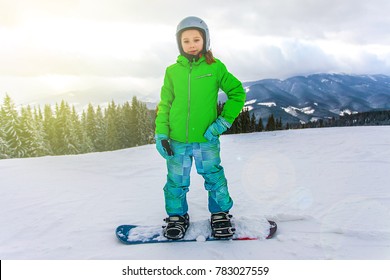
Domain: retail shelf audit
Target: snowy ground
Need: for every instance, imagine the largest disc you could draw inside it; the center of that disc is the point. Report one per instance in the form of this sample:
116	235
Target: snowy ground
328	189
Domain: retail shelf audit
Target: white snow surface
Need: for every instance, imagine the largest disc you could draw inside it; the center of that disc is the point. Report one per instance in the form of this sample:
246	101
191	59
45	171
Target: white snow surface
293	110
328	189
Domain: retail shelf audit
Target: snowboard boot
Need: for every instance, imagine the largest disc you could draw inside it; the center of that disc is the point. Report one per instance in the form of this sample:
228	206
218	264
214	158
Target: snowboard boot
176	226
221	226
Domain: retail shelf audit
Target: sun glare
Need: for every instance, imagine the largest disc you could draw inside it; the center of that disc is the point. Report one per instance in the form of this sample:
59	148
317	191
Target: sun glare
59	83
117	39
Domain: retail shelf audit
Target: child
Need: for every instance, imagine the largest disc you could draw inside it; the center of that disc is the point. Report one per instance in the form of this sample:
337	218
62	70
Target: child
188	127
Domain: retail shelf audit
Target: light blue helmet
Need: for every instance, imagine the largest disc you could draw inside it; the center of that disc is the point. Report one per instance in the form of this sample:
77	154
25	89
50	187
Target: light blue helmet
193	23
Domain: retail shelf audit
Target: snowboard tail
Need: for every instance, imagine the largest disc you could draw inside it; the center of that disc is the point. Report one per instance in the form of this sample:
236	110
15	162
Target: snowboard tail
198	231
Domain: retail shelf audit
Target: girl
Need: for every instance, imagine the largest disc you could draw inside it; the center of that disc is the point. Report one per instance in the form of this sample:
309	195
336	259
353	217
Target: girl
188	127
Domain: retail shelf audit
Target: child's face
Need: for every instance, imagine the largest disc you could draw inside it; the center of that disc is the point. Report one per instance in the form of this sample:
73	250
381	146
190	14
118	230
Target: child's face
192	41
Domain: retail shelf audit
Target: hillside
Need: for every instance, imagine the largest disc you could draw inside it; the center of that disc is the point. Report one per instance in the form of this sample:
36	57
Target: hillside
328	189
302	99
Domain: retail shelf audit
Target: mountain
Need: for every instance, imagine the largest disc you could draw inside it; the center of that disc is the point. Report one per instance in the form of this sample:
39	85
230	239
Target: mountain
101	97
318	96
296	99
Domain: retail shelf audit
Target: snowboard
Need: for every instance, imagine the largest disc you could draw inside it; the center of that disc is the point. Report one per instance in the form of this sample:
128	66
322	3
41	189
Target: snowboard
198	231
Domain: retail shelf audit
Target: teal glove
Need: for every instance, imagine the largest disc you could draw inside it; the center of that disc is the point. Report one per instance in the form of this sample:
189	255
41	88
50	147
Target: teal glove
163	147
216	128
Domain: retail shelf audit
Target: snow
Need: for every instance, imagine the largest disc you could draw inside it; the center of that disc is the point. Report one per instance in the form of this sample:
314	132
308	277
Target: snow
328	190
347	112
267	104
250	102
315	119
293	110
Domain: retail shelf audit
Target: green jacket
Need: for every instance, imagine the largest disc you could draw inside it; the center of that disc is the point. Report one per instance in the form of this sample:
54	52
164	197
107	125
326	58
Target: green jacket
189	99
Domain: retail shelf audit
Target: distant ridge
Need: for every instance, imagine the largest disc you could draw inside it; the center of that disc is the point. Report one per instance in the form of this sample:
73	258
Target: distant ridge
318	96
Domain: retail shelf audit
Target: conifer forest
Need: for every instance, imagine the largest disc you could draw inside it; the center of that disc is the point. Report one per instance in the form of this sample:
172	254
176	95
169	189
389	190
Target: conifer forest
34	132
60	130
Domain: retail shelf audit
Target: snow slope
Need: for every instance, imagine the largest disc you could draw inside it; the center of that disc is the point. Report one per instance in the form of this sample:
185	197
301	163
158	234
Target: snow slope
328	189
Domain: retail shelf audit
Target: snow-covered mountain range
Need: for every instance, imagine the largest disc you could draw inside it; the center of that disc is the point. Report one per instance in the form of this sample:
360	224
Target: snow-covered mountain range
317	96
296	99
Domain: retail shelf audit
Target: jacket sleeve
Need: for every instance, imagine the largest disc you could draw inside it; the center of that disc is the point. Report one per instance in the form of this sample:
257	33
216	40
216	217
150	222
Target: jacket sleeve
235	95
164	107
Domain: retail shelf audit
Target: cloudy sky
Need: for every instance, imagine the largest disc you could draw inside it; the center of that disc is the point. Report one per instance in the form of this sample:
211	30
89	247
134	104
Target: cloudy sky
122	47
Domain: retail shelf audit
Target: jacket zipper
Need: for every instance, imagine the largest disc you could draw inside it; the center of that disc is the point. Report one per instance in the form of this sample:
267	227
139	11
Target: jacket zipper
189	101
204	76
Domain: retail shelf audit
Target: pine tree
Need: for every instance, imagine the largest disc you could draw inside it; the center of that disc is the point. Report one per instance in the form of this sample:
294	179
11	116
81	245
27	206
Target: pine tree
4	148
90	127
141	123
126	132
252	126
86	145
66	133
111	120
12	130
279	125
271	126
42	145
28	129
50	129
260	125
145	127
136	121
101	130
245	120
78	134
236	126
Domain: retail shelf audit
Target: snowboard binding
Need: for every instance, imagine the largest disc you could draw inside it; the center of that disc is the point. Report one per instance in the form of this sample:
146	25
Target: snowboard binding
176	226
221	226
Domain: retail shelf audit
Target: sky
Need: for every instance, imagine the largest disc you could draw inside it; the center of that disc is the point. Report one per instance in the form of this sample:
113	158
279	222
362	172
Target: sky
114	48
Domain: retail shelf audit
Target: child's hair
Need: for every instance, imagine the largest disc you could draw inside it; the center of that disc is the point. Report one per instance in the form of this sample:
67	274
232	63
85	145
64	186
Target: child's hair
209	57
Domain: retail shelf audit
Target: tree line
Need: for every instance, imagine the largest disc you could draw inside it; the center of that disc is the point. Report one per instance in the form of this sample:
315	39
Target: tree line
33	132
372	118
246	122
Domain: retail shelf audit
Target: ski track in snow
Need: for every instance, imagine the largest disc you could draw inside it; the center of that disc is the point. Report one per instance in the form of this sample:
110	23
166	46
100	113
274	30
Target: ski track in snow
328	190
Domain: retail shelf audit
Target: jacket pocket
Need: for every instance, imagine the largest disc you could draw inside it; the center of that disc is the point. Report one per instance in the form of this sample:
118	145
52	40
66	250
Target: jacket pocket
205	76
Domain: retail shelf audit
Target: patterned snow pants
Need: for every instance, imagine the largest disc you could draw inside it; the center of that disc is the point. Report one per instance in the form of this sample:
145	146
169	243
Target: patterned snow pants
207	162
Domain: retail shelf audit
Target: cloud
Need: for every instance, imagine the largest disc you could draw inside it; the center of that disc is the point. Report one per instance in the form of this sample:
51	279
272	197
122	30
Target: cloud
127	44
358	21
15	12
278	58
38	62
78	47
